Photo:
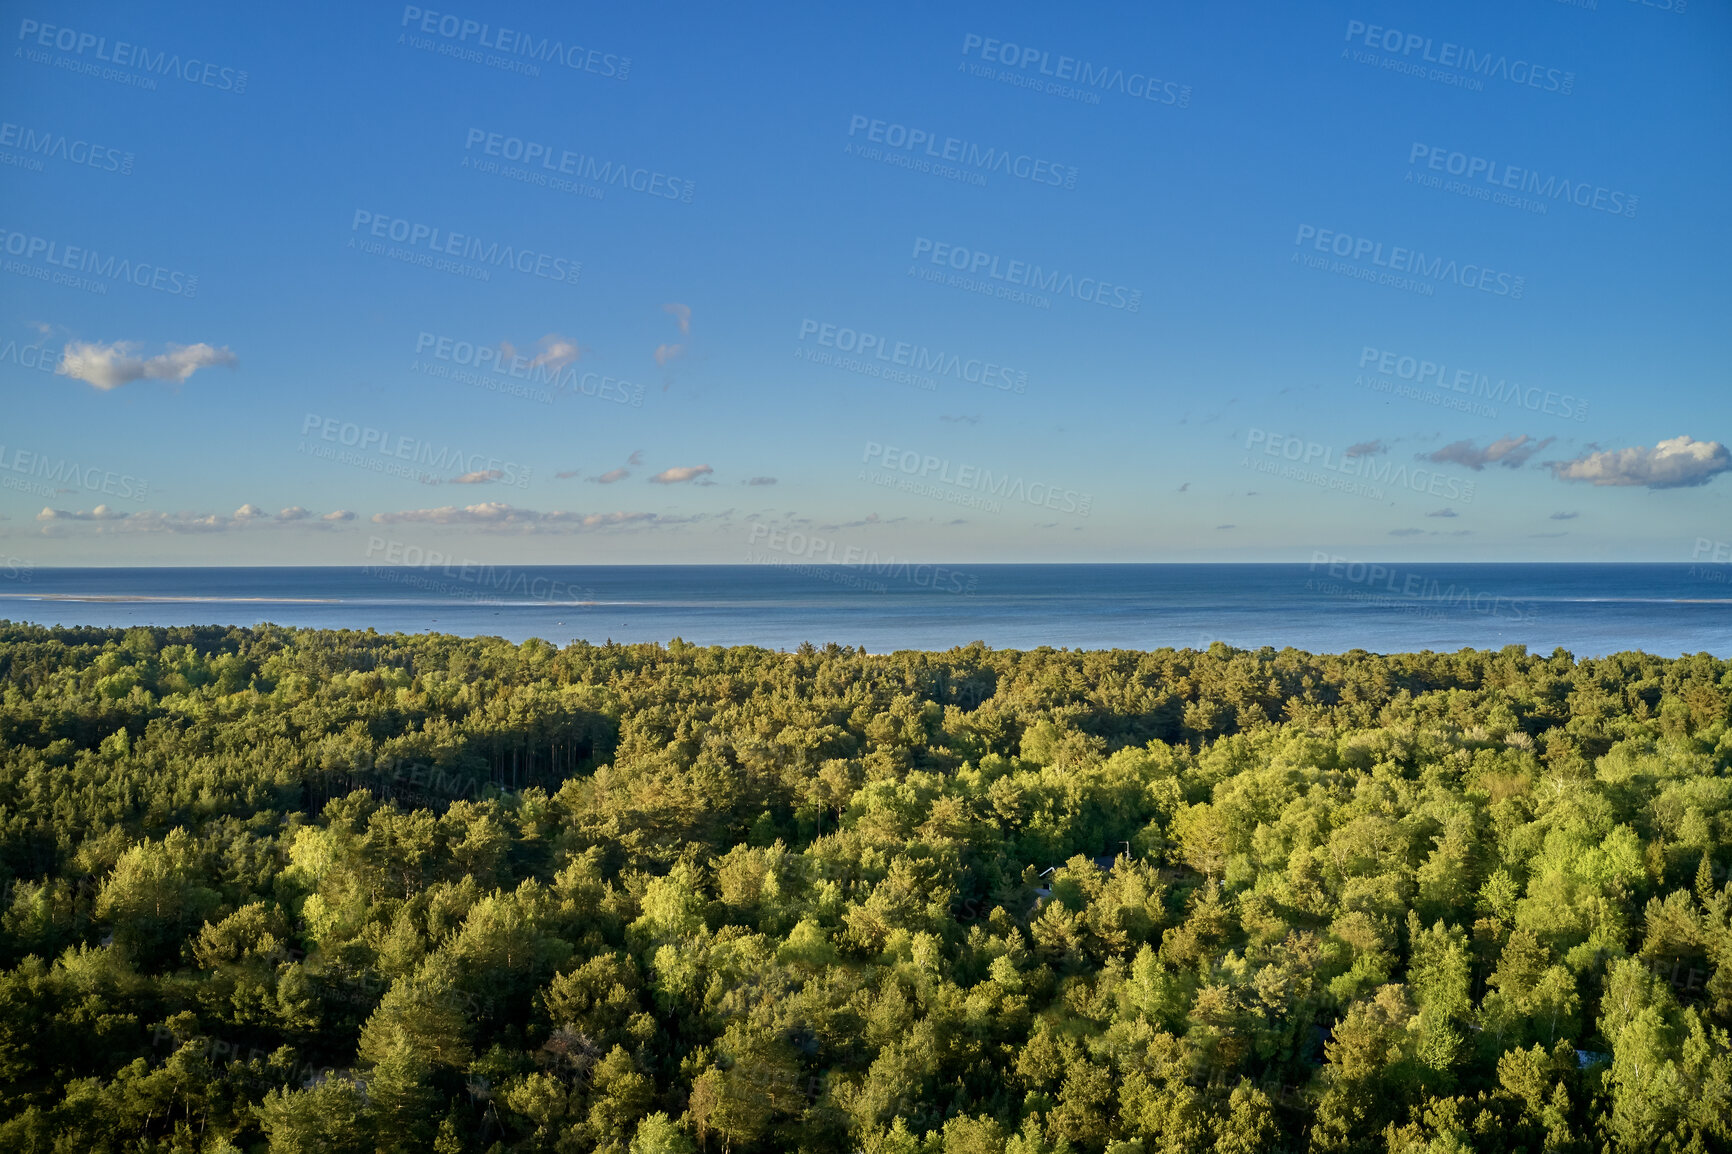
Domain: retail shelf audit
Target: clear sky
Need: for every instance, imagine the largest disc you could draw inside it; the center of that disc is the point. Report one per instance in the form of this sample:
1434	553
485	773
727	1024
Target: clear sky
987	282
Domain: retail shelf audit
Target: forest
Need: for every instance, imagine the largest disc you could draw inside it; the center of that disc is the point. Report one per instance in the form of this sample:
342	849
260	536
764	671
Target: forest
286	890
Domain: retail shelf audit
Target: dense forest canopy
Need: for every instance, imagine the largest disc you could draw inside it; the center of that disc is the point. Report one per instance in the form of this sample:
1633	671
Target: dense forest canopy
270	889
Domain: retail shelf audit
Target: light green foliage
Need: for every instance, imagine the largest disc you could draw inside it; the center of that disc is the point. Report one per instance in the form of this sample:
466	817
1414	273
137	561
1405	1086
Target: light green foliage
270	890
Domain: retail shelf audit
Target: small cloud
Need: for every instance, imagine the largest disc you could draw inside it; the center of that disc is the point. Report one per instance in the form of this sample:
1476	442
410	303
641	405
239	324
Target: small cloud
108	366
339	515
759	481
100	513
1185	488
1565	516
293	513
485	477
1678	463
611	476
1443	513
682	314
551	351
636	458
1406	532
1510	452
249	513
1367	449
680	473
568	474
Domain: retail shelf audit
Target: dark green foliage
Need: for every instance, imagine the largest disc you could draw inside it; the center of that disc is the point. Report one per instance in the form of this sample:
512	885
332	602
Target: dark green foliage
314	891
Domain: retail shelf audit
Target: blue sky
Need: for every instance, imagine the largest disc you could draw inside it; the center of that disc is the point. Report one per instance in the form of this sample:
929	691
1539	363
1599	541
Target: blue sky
1369	315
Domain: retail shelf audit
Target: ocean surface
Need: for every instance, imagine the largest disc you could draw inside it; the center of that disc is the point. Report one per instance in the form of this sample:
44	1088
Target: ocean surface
1588	609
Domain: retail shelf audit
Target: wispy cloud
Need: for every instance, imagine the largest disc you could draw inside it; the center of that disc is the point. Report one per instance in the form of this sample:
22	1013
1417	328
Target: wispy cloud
105	517
759	481
552	351
1510	452
611	476
1367	449
498	515
109	366
683	315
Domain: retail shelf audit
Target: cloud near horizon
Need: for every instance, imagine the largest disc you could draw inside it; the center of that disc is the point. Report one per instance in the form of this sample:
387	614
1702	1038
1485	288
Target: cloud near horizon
150	520
1677	463
109	366
497	514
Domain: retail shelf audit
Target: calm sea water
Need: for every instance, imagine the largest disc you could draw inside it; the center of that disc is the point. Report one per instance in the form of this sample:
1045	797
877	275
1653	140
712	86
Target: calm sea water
1586	609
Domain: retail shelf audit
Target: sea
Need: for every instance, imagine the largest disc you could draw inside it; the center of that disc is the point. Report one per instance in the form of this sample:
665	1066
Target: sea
1586	609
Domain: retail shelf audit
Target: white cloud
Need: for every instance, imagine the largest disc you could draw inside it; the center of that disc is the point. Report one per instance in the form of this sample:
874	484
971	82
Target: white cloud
611	476
1678	463
338	515
484	477
108	366
680	473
